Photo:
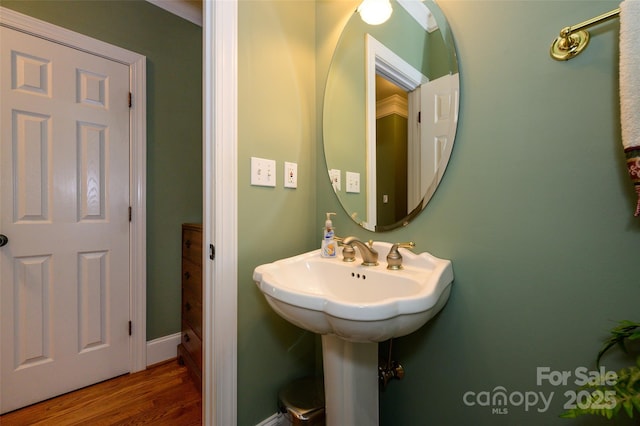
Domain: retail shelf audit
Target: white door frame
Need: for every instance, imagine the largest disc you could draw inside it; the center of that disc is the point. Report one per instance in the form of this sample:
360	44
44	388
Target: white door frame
381	60
220	187
138	156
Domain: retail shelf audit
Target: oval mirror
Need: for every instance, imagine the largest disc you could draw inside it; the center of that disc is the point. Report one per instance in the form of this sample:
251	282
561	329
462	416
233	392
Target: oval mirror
390	113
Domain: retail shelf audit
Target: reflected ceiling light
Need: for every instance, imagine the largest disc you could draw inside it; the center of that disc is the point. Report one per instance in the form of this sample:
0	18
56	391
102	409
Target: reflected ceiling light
375	12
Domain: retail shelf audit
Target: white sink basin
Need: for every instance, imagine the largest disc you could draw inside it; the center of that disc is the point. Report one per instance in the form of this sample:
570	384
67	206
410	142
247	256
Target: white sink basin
354	302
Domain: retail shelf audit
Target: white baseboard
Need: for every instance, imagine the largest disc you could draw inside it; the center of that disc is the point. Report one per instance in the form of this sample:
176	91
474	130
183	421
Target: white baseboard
163	348
277	419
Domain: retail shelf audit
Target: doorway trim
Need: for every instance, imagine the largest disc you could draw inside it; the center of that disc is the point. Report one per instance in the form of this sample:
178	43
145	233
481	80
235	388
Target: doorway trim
385	62
220	157
138	158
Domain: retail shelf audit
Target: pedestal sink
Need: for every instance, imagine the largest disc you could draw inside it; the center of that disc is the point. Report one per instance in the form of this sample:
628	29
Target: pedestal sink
354	307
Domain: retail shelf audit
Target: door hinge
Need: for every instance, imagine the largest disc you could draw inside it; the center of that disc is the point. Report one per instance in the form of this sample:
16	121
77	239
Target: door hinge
130	328
130	213
212	252
419	116
130	99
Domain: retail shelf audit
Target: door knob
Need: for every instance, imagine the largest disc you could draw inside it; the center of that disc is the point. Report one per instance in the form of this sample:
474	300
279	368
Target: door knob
3	240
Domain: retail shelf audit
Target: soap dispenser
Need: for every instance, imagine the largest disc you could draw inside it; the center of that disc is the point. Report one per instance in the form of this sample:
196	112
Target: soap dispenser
329	246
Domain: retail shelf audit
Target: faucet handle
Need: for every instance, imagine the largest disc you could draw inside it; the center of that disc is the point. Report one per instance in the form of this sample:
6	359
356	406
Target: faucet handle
407	245
394	258
348	252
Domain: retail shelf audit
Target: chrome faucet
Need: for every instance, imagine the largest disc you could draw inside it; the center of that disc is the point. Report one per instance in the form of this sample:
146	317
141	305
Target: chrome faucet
368	253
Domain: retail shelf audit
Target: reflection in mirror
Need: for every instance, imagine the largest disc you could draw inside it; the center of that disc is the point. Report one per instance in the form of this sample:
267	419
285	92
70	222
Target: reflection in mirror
392	114
389	126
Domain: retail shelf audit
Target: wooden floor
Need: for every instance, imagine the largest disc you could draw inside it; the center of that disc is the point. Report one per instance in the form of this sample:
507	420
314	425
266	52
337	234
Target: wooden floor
163	394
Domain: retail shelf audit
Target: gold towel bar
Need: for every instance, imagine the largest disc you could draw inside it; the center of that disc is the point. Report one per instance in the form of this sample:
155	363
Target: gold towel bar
573	40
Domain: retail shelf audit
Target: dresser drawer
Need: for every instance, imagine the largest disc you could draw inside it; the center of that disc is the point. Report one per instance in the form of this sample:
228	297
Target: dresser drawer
192	276
192	344
192	309
192	242
190	347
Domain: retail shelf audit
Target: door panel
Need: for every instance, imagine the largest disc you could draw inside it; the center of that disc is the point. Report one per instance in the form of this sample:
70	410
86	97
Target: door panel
32	340
439	108
64	203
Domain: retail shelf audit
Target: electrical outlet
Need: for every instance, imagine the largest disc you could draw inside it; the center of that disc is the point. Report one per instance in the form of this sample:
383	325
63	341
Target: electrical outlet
263	172
334	175
353	182
290	175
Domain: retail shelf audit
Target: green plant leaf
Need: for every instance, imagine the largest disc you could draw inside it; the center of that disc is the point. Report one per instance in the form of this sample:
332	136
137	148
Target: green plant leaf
628	407
636	401
625	330
626	390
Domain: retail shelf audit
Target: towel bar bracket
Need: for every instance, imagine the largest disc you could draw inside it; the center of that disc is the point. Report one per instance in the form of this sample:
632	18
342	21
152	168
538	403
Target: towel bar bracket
574	39
569	44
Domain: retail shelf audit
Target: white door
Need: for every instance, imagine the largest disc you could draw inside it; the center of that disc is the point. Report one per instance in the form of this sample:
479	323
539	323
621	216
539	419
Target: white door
438	103
64	206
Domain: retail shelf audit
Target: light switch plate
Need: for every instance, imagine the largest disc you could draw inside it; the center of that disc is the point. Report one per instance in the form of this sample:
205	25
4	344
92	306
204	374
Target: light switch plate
263	172
290	175
353	182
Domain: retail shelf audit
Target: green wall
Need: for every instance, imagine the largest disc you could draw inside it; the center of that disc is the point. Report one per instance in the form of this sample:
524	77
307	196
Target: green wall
391	175
535	211
173	48
276	120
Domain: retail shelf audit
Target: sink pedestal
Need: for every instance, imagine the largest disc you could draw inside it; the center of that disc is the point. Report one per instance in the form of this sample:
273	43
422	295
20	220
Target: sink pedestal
361	303
350	382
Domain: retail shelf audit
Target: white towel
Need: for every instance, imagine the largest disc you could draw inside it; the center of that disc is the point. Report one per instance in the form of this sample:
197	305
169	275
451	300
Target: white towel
630	89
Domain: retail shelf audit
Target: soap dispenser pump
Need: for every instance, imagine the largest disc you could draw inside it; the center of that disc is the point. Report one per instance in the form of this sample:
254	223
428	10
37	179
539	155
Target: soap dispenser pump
329	246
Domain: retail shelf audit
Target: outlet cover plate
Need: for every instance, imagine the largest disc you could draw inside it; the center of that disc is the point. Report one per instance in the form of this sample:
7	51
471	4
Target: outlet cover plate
290	175
334	175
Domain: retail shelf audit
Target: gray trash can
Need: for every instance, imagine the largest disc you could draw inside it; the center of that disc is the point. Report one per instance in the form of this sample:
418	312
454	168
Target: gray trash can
302	402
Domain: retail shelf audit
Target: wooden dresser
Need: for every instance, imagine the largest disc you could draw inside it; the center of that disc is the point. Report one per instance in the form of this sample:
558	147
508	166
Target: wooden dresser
190	348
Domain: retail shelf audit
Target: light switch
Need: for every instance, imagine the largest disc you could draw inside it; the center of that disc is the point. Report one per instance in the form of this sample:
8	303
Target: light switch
353	182
263	172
